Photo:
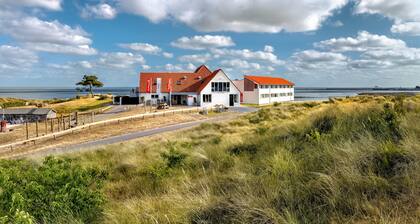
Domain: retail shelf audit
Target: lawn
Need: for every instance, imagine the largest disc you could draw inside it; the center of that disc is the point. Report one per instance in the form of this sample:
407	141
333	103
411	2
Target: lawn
341	161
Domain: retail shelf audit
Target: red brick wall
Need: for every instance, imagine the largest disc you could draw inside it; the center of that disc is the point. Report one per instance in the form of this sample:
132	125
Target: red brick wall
249	85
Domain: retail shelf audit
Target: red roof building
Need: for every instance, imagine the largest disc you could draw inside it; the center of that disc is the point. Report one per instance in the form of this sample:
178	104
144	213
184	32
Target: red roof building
266	90
187	87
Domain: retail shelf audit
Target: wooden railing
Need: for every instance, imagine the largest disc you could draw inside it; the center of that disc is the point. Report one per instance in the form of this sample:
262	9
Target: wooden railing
11	146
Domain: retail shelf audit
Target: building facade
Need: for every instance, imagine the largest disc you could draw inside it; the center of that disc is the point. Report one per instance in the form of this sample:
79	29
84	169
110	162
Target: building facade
199	88
267	90
21	115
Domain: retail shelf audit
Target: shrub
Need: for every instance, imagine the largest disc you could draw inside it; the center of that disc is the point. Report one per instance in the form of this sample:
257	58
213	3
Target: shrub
45	193
173	158
261	115
244	149
388	161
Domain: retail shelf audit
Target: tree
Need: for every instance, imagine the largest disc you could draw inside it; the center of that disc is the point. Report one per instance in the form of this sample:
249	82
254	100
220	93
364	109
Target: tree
90	81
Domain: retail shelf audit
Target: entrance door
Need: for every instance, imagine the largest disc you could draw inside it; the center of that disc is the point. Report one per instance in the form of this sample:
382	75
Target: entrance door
232	100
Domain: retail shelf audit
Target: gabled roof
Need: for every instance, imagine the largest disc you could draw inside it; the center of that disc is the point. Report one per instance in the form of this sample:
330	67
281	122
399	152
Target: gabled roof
181	81
203	70
207	80
28	111
267	80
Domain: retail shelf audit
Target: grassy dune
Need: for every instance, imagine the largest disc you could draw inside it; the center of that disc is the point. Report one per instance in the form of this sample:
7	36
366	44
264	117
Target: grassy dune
62	106
344	161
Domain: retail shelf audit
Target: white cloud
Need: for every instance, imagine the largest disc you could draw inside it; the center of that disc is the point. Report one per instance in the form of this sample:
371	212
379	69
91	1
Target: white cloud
167	55
239	16
247	54
47	4
85	64
49	36
172	67
196	58
203	42
240	64
15	58
121	60
146	67
410	28
395	9
405	13
142	47
311	59
364	41
100	11
268	48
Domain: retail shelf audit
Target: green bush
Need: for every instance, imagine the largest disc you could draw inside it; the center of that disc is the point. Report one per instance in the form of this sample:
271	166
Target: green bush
49	192
173	158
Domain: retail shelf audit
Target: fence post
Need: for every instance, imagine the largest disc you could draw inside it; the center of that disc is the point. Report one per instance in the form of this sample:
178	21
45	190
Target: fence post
69	121
27	131
36	128
46	126
77	119
52	125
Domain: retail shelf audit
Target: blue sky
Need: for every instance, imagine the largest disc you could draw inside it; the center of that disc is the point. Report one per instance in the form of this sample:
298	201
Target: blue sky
316	43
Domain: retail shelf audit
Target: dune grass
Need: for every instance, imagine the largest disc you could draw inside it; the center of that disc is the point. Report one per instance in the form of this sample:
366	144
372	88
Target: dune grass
341	161
62	106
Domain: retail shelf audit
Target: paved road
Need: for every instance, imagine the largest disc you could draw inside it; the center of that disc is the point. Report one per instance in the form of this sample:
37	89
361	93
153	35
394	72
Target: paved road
91	145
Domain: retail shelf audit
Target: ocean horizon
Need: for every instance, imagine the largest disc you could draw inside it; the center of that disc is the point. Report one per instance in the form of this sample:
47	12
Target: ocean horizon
301	93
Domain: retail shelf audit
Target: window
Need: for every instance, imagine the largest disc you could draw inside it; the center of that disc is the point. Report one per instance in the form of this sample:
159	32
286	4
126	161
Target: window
220	86
274	95
155	96
256	86
290	94
207	98
265	95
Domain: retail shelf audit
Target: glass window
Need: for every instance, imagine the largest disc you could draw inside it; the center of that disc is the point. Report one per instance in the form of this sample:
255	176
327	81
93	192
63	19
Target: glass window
220	86
256	86
207	98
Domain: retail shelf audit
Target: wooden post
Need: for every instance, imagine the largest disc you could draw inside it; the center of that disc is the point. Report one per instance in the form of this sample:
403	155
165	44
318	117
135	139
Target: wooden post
63	122
77	119
58	124
46	126
36	128
27	130
52	125
69	121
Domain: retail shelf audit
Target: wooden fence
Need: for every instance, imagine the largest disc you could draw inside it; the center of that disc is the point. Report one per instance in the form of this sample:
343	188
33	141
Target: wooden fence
64	125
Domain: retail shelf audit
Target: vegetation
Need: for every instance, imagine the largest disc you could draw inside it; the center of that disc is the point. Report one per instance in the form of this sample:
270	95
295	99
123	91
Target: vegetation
55	191
11	102
82	104
90	81
62	106
350	160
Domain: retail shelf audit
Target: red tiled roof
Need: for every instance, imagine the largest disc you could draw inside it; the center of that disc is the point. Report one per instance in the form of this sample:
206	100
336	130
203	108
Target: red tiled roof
267	80
203	70
181	81
207	80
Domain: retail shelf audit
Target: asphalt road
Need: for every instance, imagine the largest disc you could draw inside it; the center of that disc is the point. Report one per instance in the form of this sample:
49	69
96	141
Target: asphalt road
92	145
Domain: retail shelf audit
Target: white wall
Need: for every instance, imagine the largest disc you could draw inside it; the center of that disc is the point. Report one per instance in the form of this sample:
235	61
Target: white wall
220	97
255	97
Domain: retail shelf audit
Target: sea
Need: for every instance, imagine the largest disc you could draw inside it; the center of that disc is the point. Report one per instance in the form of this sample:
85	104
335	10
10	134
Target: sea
301	93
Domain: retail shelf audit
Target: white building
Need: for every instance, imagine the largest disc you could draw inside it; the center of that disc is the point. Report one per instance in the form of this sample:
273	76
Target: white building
199	88
266	90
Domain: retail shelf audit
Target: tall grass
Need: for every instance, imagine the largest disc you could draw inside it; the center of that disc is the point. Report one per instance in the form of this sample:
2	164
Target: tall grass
344	161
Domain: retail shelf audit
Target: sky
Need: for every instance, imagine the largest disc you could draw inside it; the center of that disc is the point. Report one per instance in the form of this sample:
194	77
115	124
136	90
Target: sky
314	43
